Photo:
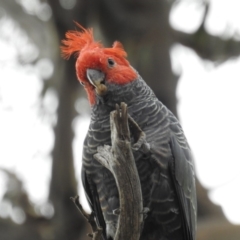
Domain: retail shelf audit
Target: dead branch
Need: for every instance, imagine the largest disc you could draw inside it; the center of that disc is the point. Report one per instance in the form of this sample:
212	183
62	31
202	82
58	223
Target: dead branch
120	161
96	231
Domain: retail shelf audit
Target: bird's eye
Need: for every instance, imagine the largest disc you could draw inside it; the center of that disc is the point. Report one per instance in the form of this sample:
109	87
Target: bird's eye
110	62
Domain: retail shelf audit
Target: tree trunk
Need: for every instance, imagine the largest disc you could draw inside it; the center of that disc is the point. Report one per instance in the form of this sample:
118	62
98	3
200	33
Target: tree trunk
68	223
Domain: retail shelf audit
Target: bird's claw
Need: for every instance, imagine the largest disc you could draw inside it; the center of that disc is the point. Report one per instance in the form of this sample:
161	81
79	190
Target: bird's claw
116	211
145	211
139	136
141	144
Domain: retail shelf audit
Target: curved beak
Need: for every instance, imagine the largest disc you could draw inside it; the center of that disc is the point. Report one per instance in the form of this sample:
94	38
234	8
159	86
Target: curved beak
95	77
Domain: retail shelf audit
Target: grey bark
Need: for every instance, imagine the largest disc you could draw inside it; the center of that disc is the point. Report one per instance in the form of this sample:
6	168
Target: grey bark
120	161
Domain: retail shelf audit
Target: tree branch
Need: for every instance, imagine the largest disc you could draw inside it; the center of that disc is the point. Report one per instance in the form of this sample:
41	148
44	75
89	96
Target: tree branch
207	46
120	161
96	231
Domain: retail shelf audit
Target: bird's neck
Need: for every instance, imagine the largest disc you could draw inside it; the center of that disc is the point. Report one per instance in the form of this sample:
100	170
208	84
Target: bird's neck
132	94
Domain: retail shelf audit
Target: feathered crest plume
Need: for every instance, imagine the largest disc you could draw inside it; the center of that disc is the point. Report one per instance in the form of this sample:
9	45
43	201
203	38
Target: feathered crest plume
78	40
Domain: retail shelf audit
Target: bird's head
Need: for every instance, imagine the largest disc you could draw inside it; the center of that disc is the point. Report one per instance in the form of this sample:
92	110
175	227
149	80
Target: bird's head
97	67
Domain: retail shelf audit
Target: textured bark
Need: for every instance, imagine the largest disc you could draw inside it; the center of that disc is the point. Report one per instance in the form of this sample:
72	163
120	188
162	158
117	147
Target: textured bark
120	161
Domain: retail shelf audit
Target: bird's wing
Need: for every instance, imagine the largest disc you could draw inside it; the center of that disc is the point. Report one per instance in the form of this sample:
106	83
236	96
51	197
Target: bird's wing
182	172
93	200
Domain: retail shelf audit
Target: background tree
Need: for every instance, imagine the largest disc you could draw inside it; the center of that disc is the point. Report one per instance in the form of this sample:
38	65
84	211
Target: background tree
143	28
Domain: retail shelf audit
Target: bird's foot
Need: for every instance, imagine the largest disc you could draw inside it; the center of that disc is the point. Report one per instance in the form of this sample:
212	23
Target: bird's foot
139	136
141	144
116	211
145	211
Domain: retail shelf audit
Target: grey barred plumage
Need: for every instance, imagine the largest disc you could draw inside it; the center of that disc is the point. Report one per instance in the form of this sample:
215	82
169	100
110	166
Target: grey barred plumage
166	172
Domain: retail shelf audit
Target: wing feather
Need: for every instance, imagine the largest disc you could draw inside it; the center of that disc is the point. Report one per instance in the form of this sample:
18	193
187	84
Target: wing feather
93	200
182	172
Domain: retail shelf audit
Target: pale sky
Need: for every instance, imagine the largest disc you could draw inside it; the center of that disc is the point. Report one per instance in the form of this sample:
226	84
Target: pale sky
209	100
